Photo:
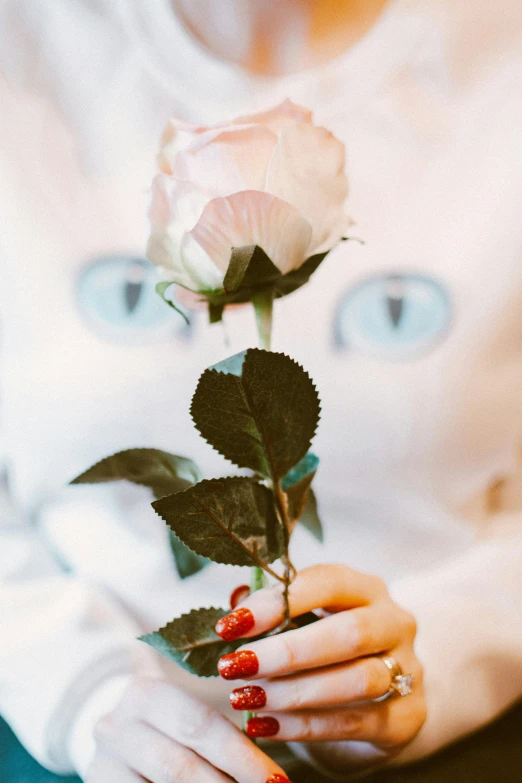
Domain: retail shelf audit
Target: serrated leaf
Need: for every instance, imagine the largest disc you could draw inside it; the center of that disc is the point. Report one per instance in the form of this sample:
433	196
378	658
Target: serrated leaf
187	562
259	410
296	485
233	365
161	290
249	267
164	473
191	641
310	517
230	520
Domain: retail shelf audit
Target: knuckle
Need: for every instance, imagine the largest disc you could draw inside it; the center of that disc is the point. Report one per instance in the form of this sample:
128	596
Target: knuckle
201	722
348	632
287	695
376	678
358	683
361	635
140	691
401	734
335	579
378	584
349	723
307	729
106	727
405	730
289	654
177	766
409	623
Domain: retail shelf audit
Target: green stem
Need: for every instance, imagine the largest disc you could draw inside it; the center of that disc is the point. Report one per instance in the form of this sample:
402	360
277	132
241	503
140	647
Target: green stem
257	579
285	523
263	302
263	305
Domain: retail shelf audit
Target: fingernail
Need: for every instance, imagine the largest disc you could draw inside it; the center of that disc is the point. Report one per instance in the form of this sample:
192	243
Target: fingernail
238	665
238	595
236	624
250	697
262	727
278	779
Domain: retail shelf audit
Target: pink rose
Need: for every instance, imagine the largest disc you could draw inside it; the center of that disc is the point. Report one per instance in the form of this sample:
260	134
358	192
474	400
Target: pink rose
272	179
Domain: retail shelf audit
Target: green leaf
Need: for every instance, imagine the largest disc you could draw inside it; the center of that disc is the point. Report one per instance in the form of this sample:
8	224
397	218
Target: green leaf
215	312
302	503
187	562
192	642
259	410
251	272
249	267
164	473
290	282
310	517
230	520
304	469
296	485
161	289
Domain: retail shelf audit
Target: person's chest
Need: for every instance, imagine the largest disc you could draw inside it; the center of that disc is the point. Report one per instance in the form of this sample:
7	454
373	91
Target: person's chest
399	333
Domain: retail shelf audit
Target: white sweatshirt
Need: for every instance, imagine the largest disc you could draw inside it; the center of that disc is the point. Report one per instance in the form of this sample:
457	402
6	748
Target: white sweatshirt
414	341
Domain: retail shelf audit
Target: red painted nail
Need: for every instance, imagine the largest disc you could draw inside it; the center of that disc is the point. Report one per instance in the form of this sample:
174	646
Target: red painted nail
262	727
238	665
251	697
236	624
238	595
278	779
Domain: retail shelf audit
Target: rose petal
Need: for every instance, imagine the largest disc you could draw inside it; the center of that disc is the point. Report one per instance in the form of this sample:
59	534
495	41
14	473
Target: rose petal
179	136
287	113
176	137
161	252
307	170
175	208
190	300
200	267
251	218
176	202
237	159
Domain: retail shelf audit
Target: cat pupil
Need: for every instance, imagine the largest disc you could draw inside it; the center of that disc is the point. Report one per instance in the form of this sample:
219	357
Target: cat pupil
132	294
395	315
395	298
133	285
395	307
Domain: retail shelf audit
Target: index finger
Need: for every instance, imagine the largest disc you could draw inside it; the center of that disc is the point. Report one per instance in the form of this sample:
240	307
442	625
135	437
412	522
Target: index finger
332	587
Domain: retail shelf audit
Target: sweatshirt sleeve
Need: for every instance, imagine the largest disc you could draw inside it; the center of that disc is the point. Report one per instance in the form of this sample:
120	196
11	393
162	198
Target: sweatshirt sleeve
66	648
469	616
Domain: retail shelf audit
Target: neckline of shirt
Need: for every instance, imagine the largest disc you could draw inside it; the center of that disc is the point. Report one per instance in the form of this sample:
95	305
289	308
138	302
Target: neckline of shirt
176	59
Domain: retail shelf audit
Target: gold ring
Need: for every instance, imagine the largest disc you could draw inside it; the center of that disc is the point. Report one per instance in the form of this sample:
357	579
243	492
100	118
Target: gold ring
400	684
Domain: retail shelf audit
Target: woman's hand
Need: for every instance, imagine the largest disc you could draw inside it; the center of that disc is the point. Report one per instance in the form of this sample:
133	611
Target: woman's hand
160	734
317	683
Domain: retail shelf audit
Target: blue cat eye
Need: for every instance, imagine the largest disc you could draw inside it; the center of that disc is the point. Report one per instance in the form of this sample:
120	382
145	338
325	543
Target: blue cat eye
117	298
396	316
